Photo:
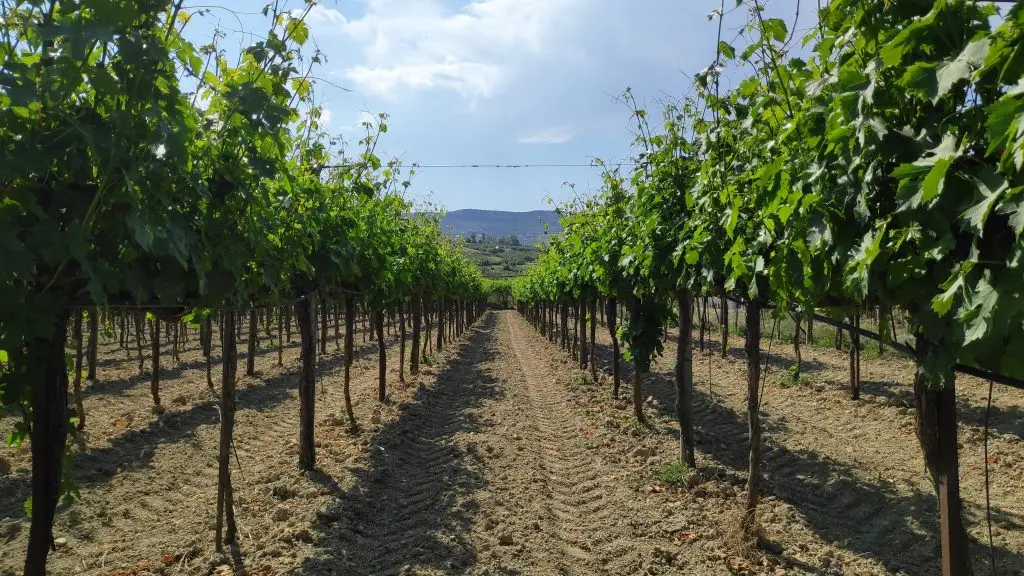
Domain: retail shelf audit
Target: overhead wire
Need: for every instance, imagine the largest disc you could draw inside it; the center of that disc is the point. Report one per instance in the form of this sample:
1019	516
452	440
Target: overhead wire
471	166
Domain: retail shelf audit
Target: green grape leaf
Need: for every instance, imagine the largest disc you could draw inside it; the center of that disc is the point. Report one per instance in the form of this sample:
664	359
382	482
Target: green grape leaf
990	192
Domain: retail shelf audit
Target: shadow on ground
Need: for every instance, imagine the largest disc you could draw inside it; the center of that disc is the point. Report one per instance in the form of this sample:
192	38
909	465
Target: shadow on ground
136	447
864	516
412	505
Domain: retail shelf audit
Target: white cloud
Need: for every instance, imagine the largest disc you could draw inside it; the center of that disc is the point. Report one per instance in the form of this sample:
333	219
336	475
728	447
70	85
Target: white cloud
553	135
468	79
362	118
324	19
475	52
325	116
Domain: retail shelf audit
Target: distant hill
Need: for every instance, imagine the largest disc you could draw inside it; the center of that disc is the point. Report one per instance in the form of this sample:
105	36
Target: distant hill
527	226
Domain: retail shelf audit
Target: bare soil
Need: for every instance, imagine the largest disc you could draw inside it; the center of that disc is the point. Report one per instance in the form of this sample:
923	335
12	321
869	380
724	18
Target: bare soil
847	491
503	459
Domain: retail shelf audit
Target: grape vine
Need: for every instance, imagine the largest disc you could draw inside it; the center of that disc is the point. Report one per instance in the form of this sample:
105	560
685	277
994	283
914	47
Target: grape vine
145	171
883	169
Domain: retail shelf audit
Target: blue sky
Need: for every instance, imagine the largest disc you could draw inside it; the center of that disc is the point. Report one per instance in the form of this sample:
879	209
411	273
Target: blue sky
501	81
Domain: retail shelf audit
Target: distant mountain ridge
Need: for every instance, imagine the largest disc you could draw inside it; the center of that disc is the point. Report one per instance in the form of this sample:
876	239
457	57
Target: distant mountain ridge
529	227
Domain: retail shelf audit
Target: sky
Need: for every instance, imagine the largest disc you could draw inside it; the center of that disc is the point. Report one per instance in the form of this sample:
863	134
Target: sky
501	82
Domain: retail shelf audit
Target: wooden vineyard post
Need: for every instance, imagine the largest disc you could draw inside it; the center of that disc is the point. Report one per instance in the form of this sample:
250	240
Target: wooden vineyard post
725	326
140	323
48	373
564	308
207	343
174	343
638	398
454	323
702	318
93	342
122	333
612	314
892	323
225	495
280	340
440	325
935	403
856	344
76	335
250	358
401	343
593	339
881	330
350	321
382	356
855	358
575	329
753	415
427	327
288	324
154	382
414	354
796	346
553	316
640	365
956	559
684	379
305	313
324	323
336	313
583	333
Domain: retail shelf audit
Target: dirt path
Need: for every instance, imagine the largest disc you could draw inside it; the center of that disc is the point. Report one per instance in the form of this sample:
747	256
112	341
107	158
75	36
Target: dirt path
487	471
504	459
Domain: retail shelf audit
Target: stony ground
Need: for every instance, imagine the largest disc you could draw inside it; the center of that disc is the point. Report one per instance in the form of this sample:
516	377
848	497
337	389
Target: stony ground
503	458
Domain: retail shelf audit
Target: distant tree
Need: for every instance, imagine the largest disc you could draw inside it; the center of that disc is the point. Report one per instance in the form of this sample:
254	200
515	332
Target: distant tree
513	240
